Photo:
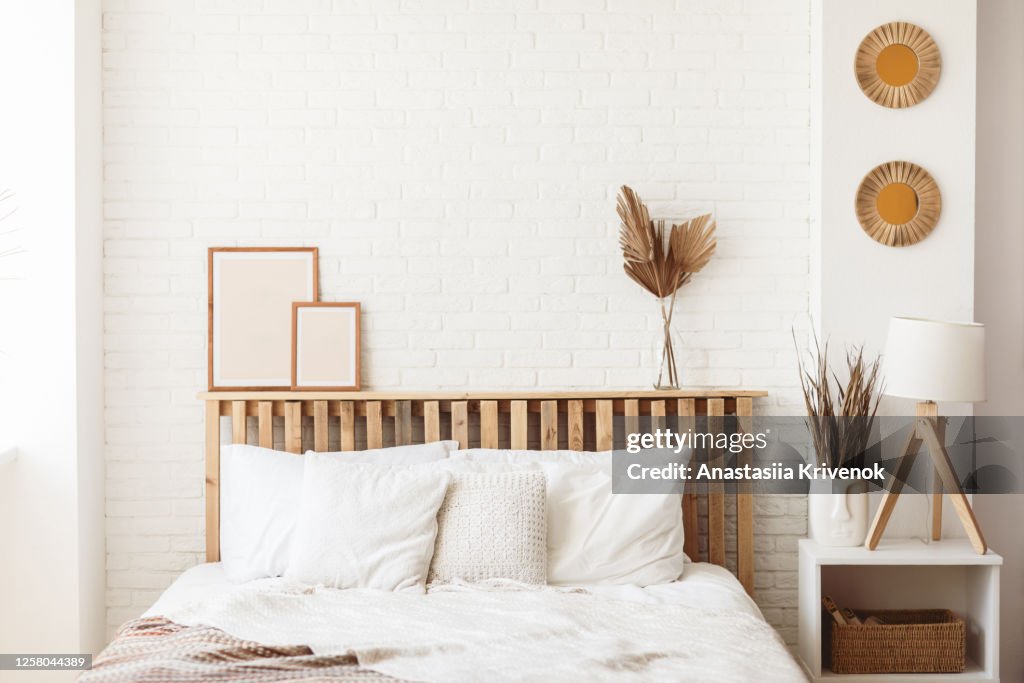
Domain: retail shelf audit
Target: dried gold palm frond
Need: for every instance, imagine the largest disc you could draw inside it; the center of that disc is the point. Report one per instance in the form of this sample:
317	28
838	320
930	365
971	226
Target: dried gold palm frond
659	258
693	243
636	235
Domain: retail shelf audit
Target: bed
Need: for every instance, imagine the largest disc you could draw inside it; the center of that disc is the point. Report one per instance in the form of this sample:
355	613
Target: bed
704	626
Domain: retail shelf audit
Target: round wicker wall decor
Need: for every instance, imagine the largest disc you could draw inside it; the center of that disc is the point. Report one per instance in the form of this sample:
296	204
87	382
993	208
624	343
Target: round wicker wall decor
898	203
898	65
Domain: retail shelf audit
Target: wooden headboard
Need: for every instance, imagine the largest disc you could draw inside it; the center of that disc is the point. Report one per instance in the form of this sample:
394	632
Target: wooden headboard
581	420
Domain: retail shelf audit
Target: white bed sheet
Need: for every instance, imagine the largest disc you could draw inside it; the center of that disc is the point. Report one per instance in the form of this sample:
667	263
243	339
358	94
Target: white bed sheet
700	628
703	585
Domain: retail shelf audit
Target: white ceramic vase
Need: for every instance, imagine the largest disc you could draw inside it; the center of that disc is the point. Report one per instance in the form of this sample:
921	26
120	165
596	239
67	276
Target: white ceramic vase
837	512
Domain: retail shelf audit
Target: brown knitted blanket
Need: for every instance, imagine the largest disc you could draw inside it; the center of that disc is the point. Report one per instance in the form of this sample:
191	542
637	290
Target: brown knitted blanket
153	650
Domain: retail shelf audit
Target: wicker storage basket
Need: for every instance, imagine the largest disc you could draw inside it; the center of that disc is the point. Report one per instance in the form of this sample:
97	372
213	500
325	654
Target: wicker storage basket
911	641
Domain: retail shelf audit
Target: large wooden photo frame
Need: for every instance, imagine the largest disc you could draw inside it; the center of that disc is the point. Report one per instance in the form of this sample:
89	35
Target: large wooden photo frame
251	291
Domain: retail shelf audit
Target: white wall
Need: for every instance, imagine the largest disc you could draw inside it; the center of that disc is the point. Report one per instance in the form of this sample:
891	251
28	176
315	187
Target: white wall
864	283
456	162
999	282
51	498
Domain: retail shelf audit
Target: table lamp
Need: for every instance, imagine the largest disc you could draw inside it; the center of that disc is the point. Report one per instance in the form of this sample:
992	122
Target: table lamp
931	361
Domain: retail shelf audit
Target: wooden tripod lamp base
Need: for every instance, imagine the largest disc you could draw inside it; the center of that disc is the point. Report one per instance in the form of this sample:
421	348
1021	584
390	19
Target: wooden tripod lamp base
928	431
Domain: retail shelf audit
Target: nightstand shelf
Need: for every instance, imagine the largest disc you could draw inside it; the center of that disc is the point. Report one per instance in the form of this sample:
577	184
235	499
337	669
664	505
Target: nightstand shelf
902	574
973	674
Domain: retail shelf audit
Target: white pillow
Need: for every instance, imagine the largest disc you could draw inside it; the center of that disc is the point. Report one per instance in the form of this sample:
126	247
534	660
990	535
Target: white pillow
594	536
492	526
259	499
260	493
366	526
597	537
519	457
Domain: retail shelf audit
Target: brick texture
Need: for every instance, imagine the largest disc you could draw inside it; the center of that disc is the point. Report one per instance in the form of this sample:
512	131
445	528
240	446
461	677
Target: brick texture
456	161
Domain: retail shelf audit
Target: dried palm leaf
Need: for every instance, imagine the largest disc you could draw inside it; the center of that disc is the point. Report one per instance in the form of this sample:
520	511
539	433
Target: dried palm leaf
661	259
635	237
693	243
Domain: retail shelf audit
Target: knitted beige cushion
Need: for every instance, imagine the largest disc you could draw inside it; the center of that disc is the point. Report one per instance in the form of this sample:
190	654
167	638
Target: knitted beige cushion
492	525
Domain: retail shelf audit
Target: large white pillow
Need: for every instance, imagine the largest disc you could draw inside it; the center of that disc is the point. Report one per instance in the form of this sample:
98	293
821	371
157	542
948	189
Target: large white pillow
594	536
492	526
366	526
597	537
260	493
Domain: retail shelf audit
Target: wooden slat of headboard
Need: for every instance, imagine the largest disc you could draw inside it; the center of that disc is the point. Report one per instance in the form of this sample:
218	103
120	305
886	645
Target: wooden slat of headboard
238	422
519	424
460	423
488	424
321	426
347	418
293	427
431	421
454	409
212	481
266	424
575	425
549	425
374	425
605	437
745	502
716	490
686	410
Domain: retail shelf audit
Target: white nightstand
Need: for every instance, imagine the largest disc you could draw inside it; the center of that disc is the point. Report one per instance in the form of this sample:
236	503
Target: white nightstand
902	574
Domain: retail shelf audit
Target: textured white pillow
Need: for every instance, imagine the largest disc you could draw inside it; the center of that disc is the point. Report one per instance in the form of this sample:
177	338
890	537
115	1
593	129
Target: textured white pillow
260	493
366	526
597	537
520	457
492	526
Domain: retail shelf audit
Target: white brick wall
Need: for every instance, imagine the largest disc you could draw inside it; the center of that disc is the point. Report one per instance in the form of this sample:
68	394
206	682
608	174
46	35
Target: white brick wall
456	161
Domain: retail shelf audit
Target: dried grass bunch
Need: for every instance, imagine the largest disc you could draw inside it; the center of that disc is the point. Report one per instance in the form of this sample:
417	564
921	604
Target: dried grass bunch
661	259
841	416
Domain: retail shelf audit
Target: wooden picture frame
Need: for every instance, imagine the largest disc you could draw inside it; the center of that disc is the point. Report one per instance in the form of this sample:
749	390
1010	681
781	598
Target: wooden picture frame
250	293
326	346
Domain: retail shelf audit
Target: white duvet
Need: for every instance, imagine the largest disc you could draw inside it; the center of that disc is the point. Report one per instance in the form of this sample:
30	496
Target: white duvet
511	633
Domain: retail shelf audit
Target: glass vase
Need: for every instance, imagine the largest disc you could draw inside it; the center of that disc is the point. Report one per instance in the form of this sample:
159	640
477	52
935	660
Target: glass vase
668	377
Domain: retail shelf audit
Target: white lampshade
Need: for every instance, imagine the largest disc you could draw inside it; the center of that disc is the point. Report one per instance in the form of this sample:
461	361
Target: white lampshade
930	360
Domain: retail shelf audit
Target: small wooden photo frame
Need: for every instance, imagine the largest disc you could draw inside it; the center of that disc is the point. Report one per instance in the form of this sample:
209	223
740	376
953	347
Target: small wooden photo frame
325	346
251	290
